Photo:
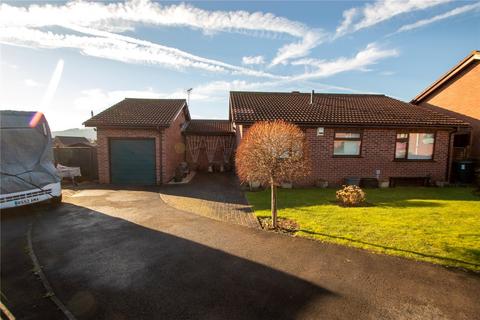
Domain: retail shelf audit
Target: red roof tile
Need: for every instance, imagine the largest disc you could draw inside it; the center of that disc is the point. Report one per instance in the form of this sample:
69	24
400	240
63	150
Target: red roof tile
132	112
333	109
209	127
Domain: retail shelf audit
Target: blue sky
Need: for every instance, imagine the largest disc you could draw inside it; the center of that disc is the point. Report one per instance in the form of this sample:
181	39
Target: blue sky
69	58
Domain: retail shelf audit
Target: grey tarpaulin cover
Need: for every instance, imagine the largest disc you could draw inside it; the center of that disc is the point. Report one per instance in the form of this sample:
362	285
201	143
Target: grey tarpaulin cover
26	153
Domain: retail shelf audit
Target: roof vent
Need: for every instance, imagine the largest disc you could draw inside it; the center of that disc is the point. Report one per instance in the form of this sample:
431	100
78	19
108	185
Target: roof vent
311	96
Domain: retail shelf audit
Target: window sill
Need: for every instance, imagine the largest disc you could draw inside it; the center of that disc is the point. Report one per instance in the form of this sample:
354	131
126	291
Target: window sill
346	156
413	160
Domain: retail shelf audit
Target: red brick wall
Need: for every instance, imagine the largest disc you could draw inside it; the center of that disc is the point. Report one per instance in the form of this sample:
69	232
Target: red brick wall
378	151
173	147
462	97
103	135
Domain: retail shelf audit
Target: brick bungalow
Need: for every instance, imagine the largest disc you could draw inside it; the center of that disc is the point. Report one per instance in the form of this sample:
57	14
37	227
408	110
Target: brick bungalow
357	135
140	141
457	94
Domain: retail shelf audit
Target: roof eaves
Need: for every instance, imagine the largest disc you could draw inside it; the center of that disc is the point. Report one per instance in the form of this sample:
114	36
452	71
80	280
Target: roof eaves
125	125
474	55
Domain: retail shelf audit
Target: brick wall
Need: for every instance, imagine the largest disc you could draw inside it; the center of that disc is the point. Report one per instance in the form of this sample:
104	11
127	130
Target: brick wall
378	150
173	147
462	97
103	135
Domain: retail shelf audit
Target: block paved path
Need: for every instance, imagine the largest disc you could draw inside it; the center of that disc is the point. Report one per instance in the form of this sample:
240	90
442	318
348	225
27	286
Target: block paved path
213	195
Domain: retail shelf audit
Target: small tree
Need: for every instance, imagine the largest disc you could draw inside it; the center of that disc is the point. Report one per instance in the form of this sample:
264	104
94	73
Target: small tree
273	153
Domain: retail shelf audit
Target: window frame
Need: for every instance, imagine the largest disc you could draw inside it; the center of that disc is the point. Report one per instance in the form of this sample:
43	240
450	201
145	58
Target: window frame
360	139
407	139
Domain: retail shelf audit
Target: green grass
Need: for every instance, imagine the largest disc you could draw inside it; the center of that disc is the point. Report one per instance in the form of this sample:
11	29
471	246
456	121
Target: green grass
440	225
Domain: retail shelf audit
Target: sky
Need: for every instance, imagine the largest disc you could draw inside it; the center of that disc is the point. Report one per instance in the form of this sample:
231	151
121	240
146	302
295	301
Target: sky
68	59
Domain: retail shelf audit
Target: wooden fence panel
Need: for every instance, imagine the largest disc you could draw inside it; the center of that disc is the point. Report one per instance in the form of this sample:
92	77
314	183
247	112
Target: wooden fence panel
83	157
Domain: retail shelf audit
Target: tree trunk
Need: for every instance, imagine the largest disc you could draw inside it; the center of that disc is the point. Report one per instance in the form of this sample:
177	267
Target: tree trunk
274	205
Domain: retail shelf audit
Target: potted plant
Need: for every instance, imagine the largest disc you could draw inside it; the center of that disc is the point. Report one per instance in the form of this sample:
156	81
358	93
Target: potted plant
321	183
254	185
286	185
384	183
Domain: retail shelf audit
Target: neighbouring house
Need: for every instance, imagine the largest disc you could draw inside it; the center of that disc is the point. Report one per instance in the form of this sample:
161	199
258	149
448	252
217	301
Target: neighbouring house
209	143
457	94
68	141
357	135
140	141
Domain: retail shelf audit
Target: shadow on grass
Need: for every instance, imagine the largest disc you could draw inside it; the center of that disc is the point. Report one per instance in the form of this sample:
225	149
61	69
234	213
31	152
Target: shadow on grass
471	252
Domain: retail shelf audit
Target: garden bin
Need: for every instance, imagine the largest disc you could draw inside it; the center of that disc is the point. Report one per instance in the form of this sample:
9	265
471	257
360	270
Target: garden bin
463	171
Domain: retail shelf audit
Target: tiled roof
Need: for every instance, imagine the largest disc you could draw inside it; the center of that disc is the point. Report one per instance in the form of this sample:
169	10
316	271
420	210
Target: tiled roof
132	112
69	140
333	109
209	127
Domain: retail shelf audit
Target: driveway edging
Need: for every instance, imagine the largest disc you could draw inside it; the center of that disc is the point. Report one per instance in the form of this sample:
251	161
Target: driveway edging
43	278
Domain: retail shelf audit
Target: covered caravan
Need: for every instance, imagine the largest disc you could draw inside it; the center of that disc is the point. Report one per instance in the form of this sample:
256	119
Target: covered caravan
27	171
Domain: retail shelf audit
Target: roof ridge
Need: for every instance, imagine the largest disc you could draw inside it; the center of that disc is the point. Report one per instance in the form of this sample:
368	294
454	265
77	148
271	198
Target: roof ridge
307	93
209	120
169	99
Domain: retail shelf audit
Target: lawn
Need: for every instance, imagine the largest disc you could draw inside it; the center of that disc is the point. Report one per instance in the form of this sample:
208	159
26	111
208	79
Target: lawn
440	225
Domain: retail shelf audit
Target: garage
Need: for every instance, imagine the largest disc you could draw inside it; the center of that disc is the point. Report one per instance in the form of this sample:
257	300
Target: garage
140	141
132	161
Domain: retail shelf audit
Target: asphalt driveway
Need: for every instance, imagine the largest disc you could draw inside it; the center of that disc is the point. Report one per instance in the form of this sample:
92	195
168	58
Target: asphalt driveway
120	254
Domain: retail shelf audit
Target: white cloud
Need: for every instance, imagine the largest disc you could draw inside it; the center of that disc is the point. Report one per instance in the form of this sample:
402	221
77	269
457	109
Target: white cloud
355	19
118	17
113	46
299	49
31	83
361	61
348	17
253	60
97	99
446	15
387	73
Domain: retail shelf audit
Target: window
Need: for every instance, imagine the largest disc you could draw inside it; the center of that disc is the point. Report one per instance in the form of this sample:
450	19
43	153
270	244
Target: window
347	144
414	146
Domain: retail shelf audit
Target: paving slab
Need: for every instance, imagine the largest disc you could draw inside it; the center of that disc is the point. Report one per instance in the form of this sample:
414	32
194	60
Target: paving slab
213	195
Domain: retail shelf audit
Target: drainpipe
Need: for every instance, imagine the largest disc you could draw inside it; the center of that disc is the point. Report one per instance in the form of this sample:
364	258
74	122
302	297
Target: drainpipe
451	137
159	156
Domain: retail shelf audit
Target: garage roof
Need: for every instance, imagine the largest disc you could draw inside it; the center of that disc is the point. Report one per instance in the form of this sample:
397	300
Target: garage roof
133	112
209	127
333	109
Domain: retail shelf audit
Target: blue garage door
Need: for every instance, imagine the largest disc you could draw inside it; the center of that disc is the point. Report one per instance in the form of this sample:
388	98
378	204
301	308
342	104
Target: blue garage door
132	161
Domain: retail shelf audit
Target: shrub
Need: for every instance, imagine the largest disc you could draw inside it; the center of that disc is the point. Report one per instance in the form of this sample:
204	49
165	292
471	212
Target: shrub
351	196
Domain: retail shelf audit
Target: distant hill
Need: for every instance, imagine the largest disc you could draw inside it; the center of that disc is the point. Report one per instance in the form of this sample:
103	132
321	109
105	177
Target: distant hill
88	133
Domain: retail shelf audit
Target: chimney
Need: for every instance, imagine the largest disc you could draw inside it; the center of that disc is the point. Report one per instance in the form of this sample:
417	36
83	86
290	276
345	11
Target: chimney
311	96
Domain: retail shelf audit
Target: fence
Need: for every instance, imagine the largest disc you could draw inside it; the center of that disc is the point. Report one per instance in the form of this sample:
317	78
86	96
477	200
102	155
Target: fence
83	157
